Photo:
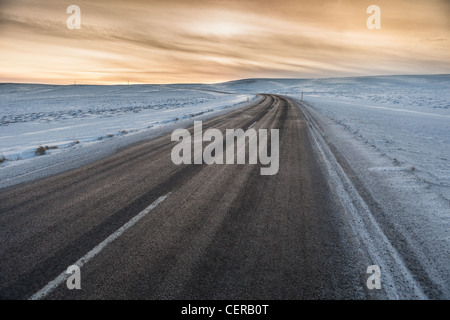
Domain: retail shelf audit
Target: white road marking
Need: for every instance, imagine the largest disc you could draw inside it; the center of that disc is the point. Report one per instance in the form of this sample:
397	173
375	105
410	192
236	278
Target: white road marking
398	285
252	125
63	276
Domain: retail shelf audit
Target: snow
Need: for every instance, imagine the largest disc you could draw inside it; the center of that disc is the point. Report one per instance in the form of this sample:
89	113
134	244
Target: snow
70	117
396	218
394	134
417	141
369	235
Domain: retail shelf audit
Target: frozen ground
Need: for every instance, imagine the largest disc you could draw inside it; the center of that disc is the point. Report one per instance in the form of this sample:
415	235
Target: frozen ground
67	117
416	140
399	220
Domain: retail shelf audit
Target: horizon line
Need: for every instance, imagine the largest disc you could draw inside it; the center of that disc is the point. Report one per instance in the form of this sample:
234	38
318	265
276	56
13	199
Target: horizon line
234	80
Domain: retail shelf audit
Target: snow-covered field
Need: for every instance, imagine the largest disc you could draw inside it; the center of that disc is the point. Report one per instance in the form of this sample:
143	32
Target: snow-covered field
415	140
68	117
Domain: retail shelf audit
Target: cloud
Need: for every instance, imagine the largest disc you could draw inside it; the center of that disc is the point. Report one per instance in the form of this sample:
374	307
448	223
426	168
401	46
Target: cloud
212	40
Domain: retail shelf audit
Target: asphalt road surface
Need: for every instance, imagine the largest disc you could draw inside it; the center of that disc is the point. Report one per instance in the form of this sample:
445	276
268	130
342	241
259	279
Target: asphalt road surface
223	231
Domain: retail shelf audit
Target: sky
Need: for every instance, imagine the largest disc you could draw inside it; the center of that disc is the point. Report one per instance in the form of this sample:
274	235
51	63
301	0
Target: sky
206	41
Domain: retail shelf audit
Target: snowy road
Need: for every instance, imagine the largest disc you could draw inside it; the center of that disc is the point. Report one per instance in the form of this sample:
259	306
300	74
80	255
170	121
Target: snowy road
219	232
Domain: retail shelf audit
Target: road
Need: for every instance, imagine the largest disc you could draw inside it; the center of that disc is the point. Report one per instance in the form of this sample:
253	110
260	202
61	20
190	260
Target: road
223	232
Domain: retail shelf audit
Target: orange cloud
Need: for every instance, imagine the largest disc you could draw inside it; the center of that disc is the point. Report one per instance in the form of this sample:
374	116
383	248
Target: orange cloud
210	40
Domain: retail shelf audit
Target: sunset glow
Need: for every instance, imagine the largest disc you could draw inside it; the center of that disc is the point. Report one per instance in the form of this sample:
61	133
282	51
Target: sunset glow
210	40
